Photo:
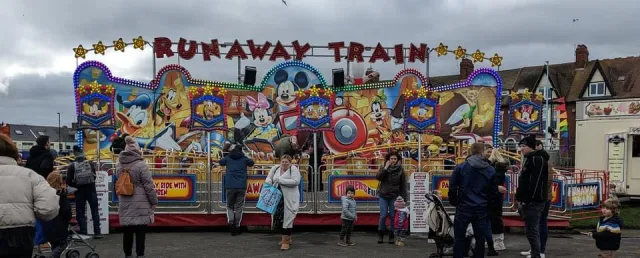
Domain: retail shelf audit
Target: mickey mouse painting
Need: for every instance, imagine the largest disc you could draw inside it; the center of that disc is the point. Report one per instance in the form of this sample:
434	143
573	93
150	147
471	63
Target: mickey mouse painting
286	89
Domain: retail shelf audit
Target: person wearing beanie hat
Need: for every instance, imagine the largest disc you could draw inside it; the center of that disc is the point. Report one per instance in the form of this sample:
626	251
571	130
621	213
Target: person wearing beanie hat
135	212
400	221
81	174
532	192
40	157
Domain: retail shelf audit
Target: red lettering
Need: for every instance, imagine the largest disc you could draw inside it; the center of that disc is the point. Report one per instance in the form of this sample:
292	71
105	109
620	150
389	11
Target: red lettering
399	54
336	46
300	50
187	54
257	51
236	51
254	188
279	52
379	53
161	192
419	53
180	185
162	47
355	52
444	185
209	50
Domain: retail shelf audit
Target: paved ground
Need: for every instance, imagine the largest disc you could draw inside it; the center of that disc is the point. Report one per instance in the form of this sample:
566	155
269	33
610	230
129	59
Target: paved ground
323	244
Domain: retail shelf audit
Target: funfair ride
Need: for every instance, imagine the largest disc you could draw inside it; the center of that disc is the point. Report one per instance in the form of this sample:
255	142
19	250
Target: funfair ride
183	123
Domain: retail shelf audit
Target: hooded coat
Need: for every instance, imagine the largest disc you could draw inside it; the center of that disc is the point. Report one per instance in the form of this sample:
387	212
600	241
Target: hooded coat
136	209
474	183
532	182
40	160
236	175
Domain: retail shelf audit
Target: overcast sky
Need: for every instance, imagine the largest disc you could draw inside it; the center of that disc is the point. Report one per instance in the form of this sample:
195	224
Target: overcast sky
37	61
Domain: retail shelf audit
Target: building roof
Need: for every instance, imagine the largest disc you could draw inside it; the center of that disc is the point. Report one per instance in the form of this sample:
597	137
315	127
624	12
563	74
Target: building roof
32	132
621	74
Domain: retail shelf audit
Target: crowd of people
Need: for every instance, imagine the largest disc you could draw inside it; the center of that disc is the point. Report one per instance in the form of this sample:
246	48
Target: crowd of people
35	195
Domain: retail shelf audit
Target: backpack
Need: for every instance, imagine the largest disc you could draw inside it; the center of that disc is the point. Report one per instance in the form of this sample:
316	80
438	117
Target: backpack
124	186
83	173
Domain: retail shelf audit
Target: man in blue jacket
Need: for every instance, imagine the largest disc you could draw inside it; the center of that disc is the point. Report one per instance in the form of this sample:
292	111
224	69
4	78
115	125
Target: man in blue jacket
235	184
470	187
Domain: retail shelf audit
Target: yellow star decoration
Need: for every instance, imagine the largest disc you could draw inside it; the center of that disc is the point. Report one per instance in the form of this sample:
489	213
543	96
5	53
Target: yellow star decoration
221	91
99	48
496	60
442	49
539	96
514	95
408	93
422	92
95	87
138	43
313	91
193	90
328	91
301	93
526	95
460	52
478	56
80	90
80	51
119	45
208	90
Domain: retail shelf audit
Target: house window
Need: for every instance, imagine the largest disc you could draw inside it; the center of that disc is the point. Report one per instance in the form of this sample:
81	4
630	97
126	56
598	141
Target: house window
635	148
597	89
18	132
549	94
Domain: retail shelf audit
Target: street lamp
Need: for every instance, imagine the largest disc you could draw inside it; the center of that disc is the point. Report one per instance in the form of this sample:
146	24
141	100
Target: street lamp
59	135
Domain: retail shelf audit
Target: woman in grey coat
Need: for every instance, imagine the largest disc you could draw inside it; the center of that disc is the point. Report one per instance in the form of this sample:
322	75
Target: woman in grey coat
136	211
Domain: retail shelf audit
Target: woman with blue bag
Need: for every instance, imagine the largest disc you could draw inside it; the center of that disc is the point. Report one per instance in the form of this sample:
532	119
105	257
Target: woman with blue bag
286	178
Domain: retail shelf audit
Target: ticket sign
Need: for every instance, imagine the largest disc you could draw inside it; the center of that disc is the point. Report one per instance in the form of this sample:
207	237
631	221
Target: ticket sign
583	196
171	188
556	194
254	186
366	188
441	183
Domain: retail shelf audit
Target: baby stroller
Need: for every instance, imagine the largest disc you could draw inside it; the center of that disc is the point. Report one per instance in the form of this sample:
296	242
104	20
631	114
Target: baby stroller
441	226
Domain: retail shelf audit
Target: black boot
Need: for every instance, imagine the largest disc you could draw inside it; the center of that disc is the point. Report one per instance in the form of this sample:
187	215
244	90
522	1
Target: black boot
380	236
491	250
232	230
391	237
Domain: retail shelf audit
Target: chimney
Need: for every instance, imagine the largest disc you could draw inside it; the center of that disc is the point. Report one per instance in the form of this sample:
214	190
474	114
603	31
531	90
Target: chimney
466	68
582	56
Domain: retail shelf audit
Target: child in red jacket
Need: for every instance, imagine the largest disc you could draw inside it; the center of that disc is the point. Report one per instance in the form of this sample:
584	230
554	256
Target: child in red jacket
400	221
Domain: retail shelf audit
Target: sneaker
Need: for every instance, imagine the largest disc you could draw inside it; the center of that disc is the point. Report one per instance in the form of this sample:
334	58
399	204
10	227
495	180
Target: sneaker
498	244
351	243
526	253
541	256
431	241
342	243
400	243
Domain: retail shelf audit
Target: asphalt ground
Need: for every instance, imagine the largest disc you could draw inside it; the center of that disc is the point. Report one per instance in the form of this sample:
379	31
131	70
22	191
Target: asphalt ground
315	243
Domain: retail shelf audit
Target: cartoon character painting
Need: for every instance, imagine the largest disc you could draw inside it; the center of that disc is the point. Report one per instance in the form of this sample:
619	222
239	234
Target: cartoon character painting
381	133
135	116
262	117
286	89
464	113
173	104
97	108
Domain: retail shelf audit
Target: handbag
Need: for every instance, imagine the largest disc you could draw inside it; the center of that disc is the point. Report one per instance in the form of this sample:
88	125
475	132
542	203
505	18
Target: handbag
269	198
124	186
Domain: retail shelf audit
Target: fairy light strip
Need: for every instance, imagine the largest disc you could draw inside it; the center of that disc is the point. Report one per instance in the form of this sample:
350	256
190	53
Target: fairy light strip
155	83
294	63
386	84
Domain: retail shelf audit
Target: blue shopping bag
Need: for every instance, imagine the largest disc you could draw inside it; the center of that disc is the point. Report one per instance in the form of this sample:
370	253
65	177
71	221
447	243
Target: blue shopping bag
269	199
39	238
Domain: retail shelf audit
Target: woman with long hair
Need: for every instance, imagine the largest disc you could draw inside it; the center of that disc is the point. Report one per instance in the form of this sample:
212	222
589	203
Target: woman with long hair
135	211
25	197
494	206
392	183
287	178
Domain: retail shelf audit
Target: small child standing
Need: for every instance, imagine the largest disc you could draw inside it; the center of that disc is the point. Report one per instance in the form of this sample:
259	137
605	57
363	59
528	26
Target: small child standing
607	233
400	221
56	231
348	217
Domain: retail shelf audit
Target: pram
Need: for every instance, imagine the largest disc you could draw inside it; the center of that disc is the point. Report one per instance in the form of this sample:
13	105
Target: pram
441	226
76	242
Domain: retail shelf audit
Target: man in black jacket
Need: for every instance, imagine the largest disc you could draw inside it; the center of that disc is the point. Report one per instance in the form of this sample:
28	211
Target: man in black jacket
532	191
40	158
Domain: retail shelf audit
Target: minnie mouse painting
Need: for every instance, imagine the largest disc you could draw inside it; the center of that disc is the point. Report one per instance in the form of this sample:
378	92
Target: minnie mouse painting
286	89
262	117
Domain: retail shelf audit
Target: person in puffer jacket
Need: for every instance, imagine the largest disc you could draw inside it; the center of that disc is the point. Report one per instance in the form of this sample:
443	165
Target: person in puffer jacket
235	186
136	211
25	196
56	231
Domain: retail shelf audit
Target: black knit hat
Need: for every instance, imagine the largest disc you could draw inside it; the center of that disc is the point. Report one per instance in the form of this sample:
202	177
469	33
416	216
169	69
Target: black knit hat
529	141
42	140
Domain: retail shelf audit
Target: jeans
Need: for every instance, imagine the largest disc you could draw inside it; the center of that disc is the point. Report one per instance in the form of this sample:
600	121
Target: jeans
532	212
347	228
127	239
84	195
544	228
387	210
235	205
488	232
478	219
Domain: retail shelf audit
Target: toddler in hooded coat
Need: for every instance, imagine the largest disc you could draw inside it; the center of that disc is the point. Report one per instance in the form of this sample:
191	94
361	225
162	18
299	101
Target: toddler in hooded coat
400	221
